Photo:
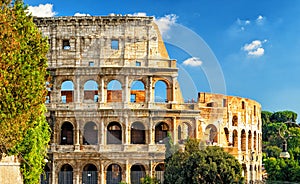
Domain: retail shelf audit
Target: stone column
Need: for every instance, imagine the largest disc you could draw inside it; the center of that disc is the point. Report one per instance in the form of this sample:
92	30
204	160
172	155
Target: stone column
151	132
77	137
102	99
127	172
150	90
175	136
125	90
102	179
173	98
77	90
127	129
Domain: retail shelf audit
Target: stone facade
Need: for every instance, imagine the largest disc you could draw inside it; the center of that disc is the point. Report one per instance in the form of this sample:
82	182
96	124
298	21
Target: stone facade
10	170
114	97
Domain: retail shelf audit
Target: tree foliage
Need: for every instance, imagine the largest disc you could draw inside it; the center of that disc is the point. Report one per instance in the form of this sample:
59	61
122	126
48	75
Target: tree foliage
209	165
279	169
23	128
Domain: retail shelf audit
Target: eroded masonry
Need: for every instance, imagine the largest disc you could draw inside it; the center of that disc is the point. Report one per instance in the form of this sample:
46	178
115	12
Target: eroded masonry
114	98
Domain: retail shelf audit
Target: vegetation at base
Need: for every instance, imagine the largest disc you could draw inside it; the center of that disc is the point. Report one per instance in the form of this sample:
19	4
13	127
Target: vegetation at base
148	180
198	164
281	169
24	131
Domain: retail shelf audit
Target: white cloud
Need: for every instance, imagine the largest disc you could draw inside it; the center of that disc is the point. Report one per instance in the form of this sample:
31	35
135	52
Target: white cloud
164	23
193	61
140	14
260	20
255	48
42	10
257	52
81	14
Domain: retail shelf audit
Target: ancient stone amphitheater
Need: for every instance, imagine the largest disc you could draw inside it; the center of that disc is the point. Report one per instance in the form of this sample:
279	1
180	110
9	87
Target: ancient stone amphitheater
114	97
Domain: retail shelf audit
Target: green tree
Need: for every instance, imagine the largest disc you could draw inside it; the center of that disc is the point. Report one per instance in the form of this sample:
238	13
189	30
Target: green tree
208	165
279	169
23	128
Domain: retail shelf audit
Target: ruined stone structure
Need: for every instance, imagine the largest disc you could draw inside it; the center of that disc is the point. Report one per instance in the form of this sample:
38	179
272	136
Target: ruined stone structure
114	98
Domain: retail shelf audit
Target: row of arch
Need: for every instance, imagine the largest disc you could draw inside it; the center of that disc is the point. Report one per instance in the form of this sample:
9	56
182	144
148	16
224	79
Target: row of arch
114	133
250	139
90	174
114	91
139	133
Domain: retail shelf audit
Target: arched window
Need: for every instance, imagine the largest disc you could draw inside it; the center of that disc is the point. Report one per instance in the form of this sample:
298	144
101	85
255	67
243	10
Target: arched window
137	172
212	133
159	172
243	140
234	121
91	91
226	135
137	93
113	174
161	132
114	133
160	92
65	175
138	135
90	135
184	132
114	91
249	140
90	174
67	89
235	138
66	134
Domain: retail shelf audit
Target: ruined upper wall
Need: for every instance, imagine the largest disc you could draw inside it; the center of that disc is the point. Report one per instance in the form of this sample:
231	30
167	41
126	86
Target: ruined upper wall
218	106
104	41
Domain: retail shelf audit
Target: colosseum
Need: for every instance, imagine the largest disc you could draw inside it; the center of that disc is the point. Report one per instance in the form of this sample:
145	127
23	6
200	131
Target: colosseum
114	98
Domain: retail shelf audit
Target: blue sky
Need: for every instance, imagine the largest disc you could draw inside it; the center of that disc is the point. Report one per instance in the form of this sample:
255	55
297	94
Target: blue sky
255	43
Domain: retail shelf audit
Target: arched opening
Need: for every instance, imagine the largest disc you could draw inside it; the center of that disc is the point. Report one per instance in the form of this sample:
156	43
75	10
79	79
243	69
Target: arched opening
91	91
113	174
243	140
65	175
45	176
66	136
159	172
234	120
227	135
249	140
137	92
137	172
138	135
161	132
90	174
184	132
67	90
179	135
160	92
114	91
212	134
245	172
90	135
114	133
235	138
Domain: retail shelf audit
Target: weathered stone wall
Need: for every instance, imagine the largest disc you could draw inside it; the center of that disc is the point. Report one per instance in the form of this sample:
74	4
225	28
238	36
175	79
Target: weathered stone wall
10	170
